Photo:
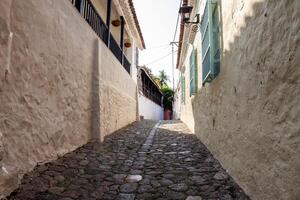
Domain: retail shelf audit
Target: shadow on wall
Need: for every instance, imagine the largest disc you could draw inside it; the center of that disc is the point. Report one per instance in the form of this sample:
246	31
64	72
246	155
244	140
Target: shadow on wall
95	94
249	115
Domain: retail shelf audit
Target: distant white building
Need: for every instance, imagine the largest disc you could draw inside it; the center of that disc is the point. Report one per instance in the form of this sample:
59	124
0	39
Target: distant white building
149	97
177	102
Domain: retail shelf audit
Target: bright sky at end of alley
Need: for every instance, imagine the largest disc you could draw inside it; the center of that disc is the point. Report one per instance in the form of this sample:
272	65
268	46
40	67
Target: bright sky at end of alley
158	19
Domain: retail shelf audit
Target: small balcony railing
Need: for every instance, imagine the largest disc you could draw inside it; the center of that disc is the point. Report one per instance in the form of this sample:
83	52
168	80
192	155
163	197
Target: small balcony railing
92	17
126	64
115	49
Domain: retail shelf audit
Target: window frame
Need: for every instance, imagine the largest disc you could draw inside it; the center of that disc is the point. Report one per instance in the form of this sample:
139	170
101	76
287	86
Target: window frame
193	73
210	41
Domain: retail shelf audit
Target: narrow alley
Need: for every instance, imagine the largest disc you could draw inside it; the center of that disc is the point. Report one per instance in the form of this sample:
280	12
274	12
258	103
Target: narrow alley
133	100
145	160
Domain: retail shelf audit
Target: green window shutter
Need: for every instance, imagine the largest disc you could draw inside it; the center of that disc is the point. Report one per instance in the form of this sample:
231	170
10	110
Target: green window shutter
204	29
193	73
192	85
210	41
215	37
196	70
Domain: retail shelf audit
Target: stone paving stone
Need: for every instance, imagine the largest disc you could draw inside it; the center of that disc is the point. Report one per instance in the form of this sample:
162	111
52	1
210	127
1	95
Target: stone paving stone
180	187
129	187
126	196
136	172
136	162
134	178
145	188
220	176
166	182
193	198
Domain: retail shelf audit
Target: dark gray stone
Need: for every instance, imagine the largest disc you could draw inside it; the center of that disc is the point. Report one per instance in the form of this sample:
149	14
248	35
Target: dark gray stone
56	190
136	172
179	187
123	196
166	182
220	176
128	187
175	195
145	188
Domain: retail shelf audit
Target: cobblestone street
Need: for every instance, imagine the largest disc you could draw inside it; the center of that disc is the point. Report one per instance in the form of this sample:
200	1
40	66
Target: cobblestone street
145	160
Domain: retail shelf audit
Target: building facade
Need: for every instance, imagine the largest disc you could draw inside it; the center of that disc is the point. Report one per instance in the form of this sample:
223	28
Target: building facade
150	97
177	102
67	76
240	90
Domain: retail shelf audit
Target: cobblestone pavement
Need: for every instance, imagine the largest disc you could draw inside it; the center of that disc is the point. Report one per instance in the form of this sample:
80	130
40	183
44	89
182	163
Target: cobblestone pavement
136	162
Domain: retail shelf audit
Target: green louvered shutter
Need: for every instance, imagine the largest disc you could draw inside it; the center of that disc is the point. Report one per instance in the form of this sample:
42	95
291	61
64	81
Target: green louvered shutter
193	73
210	41
205	44
215	38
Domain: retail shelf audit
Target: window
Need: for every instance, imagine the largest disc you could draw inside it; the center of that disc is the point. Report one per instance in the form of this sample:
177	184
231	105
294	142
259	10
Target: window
210	41
182	89
193	73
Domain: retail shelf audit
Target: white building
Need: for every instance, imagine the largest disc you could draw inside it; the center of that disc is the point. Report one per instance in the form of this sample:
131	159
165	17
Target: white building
149	97
68	76
239	89
177	102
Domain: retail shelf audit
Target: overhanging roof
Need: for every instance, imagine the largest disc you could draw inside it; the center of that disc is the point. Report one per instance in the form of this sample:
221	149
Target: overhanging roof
150	77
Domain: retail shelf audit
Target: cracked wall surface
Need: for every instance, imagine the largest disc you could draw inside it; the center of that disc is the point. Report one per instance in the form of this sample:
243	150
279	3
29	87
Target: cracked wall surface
59	86
249	115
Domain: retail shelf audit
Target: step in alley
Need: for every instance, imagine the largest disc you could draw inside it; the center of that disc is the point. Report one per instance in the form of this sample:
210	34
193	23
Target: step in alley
145	160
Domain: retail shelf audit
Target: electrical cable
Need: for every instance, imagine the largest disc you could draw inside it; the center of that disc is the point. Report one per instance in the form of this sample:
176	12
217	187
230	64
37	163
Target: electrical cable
178	16
159	59
157	47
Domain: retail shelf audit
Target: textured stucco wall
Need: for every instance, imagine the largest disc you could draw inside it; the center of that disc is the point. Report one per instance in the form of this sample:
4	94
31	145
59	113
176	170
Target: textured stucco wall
249	117
186	114
177	102
118	104
59	86
186	109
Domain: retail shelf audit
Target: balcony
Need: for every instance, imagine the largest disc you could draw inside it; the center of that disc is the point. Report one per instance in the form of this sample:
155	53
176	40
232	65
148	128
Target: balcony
92	17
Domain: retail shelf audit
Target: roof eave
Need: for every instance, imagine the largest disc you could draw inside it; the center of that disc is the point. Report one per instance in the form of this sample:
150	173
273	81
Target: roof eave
136	21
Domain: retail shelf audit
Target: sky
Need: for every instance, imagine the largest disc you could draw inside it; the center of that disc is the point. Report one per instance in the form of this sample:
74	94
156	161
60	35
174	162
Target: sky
157	19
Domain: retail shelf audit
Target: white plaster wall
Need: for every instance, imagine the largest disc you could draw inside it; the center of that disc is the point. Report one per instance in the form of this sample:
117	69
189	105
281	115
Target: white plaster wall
117	93
249	115
131	56
177	102
59	86
186	109
101	7
149	109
